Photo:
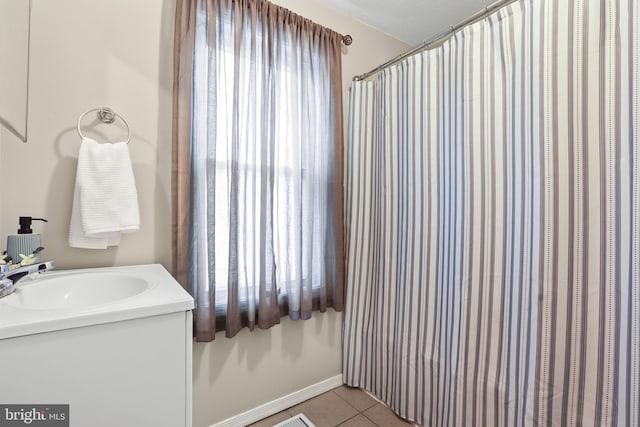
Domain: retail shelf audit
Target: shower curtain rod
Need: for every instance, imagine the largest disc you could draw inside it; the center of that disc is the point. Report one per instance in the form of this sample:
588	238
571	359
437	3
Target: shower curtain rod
439	38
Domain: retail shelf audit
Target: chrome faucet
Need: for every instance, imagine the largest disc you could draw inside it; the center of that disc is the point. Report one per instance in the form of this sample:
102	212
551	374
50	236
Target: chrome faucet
8	279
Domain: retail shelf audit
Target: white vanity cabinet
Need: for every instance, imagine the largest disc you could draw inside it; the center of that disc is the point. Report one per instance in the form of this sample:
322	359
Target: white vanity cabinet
126	363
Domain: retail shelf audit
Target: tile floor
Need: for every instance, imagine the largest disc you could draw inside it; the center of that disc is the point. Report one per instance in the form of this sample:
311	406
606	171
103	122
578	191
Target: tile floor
343	406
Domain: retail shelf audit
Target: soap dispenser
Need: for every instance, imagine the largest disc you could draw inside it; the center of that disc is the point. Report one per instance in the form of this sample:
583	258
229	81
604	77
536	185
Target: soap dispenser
25	242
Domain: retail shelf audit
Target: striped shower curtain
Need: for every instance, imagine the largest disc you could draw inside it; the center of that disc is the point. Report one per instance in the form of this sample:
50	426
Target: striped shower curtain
494	222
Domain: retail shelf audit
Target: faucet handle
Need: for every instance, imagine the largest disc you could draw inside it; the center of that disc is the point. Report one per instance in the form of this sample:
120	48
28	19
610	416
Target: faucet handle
20	272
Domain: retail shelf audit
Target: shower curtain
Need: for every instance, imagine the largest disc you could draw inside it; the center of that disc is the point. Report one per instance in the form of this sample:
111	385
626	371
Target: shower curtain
494	222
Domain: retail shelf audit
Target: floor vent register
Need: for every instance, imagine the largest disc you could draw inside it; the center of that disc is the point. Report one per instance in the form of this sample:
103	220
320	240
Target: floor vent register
297	421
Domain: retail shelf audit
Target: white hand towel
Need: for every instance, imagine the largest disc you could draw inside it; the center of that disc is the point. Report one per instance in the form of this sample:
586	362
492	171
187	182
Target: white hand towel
105	200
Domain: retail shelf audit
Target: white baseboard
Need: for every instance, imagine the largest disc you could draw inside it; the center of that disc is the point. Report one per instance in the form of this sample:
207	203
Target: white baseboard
280	404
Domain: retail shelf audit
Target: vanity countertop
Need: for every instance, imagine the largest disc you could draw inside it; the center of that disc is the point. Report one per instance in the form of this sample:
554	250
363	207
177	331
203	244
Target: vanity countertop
68	303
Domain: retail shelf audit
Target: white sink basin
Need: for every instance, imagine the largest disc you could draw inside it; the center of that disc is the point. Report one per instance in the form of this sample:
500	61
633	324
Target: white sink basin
75	291
59	300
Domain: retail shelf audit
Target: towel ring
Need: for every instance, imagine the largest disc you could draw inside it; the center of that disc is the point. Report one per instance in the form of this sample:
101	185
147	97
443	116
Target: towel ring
105	115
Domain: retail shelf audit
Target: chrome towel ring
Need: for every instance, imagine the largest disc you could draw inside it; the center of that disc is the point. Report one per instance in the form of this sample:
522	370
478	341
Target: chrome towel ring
105	115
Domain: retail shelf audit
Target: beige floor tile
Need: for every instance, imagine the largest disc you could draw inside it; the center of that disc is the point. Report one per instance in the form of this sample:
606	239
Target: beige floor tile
273	419
384	417
326	410
358	421
356	397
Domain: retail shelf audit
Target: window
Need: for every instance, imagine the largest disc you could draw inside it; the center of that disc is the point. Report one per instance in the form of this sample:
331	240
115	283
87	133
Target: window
265	165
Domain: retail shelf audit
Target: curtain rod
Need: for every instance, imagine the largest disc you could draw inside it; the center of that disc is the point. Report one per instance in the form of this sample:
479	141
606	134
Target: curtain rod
426	44
346	39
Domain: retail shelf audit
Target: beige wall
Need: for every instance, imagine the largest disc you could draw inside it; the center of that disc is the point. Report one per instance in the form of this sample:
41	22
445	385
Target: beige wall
86	54
14	63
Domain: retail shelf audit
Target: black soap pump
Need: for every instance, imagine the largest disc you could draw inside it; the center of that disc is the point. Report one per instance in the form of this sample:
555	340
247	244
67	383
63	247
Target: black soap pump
25	242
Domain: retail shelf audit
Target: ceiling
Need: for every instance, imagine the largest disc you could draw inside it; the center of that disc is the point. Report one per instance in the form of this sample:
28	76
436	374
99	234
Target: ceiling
411	21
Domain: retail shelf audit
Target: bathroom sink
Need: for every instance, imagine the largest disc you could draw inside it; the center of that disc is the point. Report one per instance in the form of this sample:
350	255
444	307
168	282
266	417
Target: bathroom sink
75	291
66	299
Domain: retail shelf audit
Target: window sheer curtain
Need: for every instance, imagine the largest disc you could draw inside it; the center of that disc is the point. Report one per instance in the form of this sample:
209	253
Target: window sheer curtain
257	164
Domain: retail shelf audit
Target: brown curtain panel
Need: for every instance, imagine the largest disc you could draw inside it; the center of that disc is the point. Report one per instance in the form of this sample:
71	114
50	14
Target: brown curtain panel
257	164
